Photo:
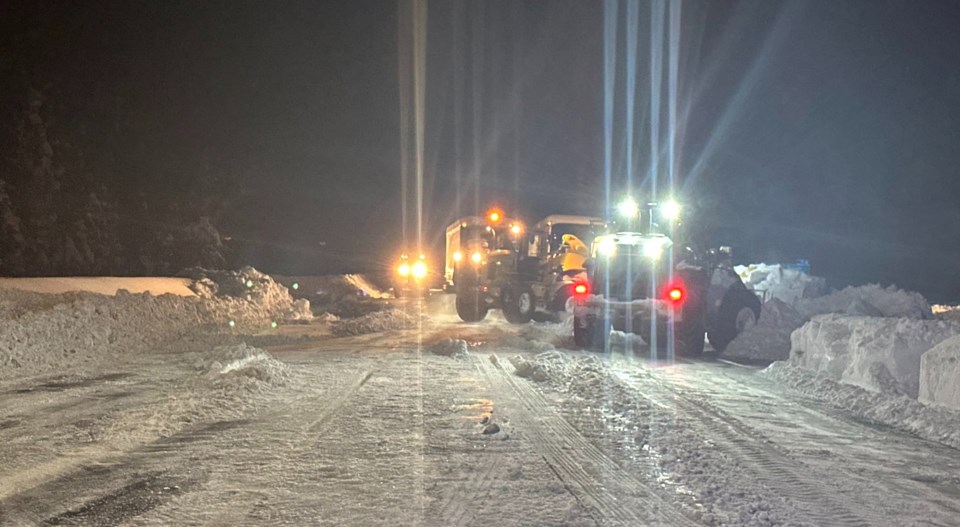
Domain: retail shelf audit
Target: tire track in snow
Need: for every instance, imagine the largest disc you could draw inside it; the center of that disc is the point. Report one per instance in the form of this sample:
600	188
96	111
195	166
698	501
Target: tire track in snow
599	484
784	476
456	509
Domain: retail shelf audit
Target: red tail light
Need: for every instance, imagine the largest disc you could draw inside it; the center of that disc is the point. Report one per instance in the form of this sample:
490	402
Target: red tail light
581	289
676	294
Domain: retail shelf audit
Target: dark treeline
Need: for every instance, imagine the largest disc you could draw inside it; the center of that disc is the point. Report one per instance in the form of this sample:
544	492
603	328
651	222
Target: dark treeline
86	185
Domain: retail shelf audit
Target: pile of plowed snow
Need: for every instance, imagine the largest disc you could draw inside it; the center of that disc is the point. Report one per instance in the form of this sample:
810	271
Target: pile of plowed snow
769	339
784	284
253	292
876	353
868	300
83	330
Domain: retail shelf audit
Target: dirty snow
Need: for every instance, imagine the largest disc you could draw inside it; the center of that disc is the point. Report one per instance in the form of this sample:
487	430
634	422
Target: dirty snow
876	353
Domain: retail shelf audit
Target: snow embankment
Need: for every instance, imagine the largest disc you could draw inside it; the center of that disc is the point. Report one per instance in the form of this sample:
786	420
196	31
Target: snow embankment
84	330
795	297
876	353
940	374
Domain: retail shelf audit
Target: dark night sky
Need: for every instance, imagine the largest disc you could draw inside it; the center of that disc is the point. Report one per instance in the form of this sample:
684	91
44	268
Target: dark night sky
819	129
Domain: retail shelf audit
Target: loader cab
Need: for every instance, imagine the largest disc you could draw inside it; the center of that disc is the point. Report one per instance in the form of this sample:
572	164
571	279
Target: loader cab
474	239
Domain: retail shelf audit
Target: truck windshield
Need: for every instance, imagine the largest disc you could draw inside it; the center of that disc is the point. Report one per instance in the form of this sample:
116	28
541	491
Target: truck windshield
586	233
477	234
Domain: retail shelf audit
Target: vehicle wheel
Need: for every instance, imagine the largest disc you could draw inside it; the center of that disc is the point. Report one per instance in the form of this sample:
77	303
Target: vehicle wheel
688	337
396	292
583	331
518	304
600	335
739	311
470	307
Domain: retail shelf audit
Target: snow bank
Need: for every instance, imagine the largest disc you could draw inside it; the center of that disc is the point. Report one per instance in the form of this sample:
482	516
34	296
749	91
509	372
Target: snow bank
83	330
933	423
940	374
769	339
868	300
776	282
249	285
373	323
875	353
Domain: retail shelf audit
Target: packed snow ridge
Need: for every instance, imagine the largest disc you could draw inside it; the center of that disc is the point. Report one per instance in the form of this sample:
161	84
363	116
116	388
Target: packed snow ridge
883	340
82	330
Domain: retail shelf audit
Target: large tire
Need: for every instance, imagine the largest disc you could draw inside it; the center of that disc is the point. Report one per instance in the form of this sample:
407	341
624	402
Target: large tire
518	304
740	310
583	331
688	337
470	307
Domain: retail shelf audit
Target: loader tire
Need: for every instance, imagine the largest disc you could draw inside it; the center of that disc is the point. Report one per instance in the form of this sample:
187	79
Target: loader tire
470	307
740	310
518	304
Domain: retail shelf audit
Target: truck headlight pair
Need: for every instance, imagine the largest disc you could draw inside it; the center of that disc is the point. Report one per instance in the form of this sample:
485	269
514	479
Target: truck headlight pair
418	270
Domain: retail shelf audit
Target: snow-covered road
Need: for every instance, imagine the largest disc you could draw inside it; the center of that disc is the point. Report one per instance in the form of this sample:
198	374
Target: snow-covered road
378	430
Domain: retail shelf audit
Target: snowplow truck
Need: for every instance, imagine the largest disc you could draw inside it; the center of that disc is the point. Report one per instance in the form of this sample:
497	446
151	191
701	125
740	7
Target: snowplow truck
633	287
481	256
550	263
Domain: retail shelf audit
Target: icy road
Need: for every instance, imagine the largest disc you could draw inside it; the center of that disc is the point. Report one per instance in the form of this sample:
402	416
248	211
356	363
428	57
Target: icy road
381	430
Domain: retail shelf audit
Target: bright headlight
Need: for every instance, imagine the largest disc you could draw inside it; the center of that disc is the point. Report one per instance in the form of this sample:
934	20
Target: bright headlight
457	256
419	270
653	248
670	210
403	270
628	208
476	257
607	247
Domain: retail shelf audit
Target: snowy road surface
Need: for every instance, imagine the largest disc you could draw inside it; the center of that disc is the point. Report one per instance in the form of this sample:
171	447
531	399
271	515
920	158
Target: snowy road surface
377	430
